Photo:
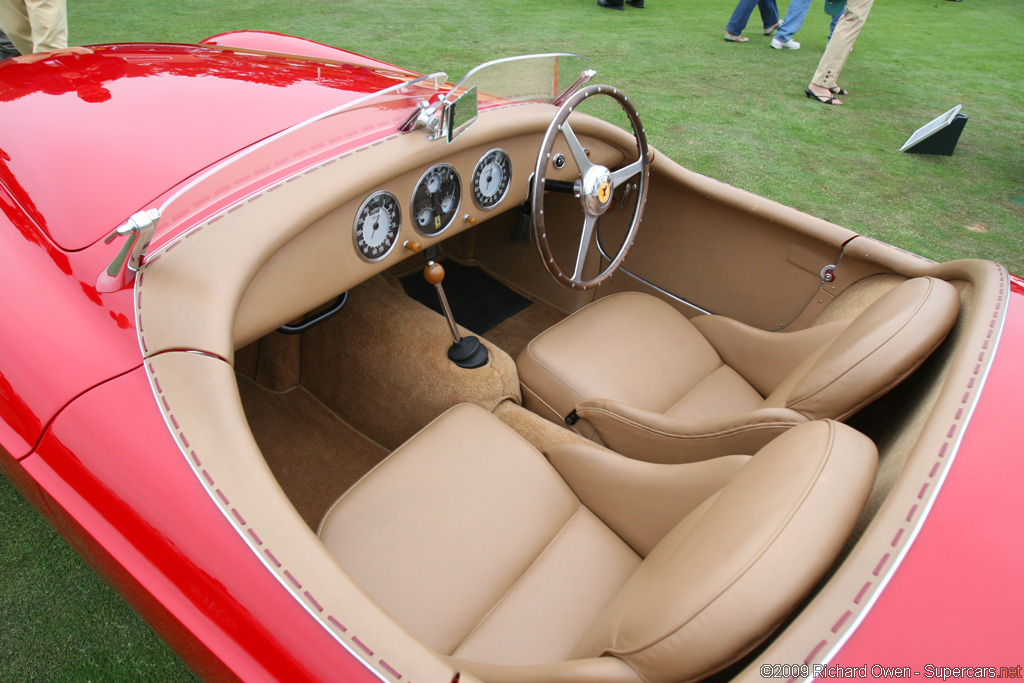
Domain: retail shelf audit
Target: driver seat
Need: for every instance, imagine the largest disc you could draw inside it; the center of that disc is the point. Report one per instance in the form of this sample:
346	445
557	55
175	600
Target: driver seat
589	566
631	372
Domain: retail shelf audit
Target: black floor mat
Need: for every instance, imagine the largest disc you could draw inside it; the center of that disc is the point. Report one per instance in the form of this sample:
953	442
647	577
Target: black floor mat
478	301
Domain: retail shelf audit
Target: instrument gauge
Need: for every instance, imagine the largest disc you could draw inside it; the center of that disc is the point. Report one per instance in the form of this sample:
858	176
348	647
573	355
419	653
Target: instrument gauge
377	225
491	178
436	199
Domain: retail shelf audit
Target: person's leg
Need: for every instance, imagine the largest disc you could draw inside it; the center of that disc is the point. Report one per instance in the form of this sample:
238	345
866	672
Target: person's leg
795	15
740	16
49	20
15	23
839	47
769	13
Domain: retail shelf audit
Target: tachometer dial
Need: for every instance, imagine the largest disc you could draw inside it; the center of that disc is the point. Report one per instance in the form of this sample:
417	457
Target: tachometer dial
491	178
436	199
377	224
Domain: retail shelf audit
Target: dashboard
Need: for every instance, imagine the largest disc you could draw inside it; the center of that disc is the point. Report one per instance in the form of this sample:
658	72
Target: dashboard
433	206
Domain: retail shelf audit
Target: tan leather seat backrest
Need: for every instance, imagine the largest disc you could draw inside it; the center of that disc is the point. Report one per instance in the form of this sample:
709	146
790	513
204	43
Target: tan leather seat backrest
882	345
727	574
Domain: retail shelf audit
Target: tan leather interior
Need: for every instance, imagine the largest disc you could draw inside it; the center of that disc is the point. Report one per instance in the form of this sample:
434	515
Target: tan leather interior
651	384
615	551
491	554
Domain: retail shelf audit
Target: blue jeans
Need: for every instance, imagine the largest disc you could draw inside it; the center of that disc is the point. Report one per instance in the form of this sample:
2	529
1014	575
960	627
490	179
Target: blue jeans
795	15
738	20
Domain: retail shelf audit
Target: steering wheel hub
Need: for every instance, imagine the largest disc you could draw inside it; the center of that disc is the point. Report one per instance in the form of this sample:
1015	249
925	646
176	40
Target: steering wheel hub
596	190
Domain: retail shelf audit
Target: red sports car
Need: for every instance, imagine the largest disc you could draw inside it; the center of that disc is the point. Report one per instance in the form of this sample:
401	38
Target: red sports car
337	371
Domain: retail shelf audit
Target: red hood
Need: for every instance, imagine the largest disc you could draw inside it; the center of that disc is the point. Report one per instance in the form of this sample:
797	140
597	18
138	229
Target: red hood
89	139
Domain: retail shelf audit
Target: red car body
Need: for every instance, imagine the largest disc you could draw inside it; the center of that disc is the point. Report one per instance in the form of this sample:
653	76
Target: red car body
81	437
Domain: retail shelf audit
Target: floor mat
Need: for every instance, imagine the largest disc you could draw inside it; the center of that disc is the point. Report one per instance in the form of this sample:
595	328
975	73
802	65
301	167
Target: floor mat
478	301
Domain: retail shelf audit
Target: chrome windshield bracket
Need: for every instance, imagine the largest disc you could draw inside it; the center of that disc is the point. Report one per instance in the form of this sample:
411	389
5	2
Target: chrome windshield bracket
139	229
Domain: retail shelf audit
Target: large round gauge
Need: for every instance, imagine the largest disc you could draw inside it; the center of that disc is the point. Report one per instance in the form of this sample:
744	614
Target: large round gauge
378	222
491	178
436	199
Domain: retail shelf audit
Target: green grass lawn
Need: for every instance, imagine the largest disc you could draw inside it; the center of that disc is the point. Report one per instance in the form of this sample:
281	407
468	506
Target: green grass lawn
733	112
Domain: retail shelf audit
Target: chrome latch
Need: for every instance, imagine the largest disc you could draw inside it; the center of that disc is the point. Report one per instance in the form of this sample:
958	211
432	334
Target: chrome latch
139	230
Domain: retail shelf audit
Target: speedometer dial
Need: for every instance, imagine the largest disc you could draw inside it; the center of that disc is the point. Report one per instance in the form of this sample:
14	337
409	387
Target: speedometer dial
377	224
436	199
491	178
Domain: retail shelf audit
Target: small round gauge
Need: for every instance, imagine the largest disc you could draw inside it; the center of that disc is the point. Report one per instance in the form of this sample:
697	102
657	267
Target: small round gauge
377	224
436	199
491	178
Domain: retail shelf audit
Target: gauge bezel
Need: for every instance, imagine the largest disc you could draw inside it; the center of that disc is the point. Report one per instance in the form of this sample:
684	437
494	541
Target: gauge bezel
397	231
476	170
415	190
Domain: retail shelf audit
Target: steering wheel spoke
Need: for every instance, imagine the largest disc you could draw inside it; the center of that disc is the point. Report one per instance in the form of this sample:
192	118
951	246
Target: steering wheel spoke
627	173
595	189
581	254
579	154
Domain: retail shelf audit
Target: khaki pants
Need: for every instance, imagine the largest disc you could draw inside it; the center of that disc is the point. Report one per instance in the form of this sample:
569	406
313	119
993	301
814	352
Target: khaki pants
841	44
35	25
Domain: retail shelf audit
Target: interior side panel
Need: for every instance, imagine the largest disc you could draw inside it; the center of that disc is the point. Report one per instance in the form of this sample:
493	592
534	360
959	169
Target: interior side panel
728	251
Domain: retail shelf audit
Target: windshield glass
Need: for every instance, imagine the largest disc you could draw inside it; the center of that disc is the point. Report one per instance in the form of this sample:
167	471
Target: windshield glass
529	78
536	78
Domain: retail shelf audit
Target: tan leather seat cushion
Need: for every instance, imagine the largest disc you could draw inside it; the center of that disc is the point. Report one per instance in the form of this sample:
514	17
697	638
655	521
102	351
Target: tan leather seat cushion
466	533
632	348
477	545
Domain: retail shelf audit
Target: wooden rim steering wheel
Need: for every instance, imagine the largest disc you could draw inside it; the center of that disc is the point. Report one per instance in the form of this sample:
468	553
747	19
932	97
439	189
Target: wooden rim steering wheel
595	187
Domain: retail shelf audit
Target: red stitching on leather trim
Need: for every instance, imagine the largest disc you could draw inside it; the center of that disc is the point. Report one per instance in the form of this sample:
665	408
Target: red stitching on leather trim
814	653
209	479
238	516
309	596
839	624
336	623
390	670
362	646
943	449
277	562
223	498
897	537
252	533
295	582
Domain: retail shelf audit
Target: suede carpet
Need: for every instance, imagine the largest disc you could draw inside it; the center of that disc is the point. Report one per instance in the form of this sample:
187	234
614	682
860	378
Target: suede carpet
314	455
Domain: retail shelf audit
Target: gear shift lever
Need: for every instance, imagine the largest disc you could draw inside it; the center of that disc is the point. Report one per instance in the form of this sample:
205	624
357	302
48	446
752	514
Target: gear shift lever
466	352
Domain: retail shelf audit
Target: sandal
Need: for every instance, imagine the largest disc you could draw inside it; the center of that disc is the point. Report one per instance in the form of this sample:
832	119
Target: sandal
822	98
730	38
836	90
771	29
